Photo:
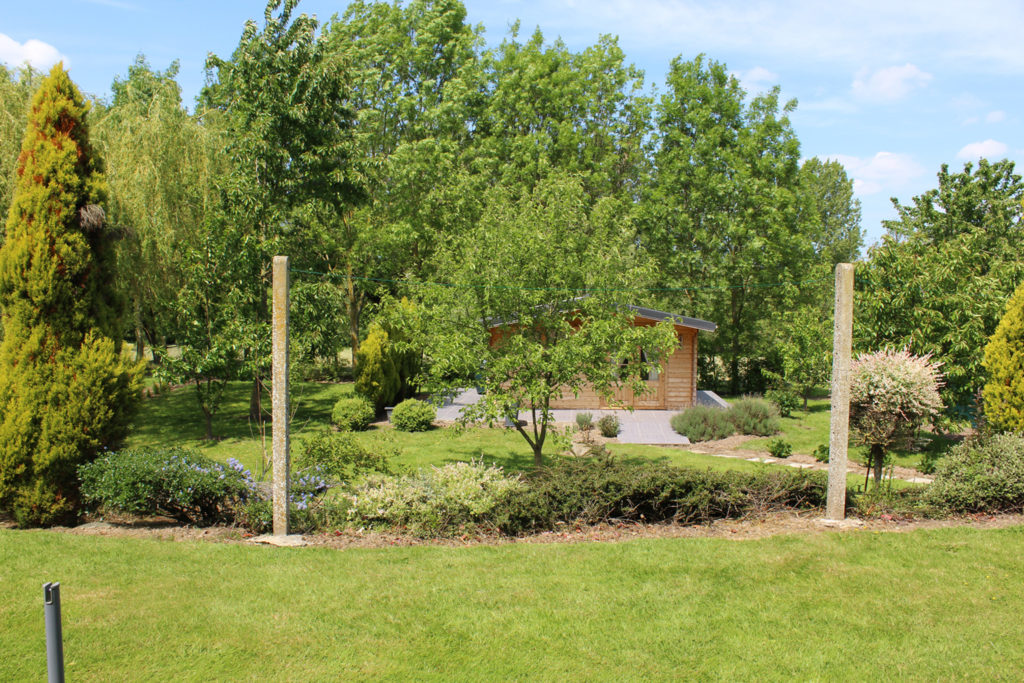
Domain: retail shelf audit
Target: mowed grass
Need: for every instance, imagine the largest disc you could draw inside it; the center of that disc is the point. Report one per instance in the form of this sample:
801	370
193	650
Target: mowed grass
927	605
807	429
174	419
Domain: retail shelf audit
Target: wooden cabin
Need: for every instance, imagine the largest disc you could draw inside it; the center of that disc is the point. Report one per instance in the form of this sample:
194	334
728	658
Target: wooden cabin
674	387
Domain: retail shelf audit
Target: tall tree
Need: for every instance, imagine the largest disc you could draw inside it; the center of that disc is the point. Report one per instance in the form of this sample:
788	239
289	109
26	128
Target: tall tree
161	167
282	100
65	394
721	214
831	211
938	282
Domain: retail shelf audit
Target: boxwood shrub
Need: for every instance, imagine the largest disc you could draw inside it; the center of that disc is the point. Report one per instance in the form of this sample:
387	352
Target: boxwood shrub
352	414
413	415
174	482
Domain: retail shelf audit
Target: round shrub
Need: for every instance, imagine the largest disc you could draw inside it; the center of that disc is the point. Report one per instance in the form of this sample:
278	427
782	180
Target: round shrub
585	421
780	448
413	415
981	475
352	414
175	482
754	416
821	453
785	400
703	423
609	426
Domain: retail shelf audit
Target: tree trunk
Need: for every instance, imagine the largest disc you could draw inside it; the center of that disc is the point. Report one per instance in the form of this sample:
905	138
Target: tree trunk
256	399
140	338
207	413
877	459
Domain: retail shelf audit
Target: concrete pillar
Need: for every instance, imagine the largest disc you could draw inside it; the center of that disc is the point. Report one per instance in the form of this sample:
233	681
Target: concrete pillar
280	395
839	432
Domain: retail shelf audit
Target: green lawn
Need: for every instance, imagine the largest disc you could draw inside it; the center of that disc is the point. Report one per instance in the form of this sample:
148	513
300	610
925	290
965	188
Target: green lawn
174	418
926	605
807	429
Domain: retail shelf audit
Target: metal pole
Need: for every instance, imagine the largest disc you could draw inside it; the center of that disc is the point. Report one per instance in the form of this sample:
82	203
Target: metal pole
839	431
54	637
280	395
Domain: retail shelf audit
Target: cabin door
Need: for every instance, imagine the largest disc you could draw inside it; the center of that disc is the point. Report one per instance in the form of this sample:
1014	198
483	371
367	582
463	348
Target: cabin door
653	398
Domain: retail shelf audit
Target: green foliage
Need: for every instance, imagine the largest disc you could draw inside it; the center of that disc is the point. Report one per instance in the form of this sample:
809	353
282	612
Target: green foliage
585	421
554	323
413	415
721	158
785	400
703	423
16	88
821	453
65	393
377	377
981	475
439	501
1004	361
939	281
343	458
352	414
174	482
754	416
804	350
830	213
588	491
609	426
780	448
892	393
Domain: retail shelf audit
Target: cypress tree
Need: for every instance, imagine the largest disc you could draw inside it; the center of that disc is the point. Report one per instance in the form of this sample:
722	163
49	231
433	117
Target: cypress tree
65	392
1003	394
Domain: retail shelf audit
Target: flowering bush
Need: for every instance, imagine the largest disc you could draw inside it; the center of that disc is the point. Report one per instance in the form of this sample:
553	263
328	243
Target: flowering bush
892	393
176	482
438	500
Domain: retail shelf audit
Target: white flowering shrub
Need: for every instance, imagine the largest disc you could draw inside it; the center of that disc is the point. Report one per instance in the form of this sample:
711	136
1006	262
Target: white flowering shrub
439	499
892	393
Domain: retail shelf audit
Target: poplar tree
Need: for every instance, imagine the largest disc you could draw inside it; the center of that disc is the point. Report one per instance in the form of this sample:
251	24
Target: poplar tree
65	393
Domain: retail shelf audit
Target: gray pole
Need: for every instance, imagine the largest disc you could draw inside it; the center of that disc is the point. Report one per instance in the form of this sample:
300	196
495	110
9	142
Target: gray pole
280	395
839	433
54	637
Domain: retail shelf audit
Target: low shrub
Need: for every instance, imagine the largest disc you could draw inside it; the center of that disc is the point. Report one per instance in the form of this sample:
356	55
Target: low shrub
703	423
785	400
780	448
821	453
609	426
754	416
175	482
413	415
981	475
352	414
341	457
585	421
441	500
588	491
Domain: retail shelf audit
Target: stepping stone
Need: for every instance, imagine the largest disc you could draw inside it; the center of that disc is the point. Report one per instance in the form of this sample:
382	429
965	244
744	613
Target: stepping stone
801	465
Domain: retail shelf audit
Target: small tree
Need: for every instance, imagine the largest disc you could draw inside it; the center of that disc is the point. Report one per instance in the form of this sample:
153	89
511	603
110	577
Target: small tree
377	377
1004	360
892	393
804	348
65	393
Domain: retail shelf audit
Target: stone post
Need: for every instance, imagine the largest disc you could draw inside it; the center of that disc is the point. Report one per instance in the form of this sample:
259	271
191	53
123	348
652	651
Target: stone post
839	433
280	395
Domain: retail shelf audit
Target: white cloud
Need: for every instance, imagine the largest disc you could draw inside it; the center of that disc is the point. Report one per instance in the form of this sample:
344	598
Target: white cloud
887	171
37	53
989	149
889	83
758	79
997	116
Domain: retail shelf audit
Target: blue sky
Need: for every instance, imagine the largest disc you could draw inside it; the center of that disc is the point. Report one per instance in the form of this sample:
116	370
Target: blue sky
892	89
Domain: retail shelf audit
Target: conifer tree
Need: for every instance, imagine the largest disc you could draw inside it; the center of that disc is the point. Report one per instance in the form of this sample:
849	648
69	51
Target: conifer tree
1004	360
65	393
